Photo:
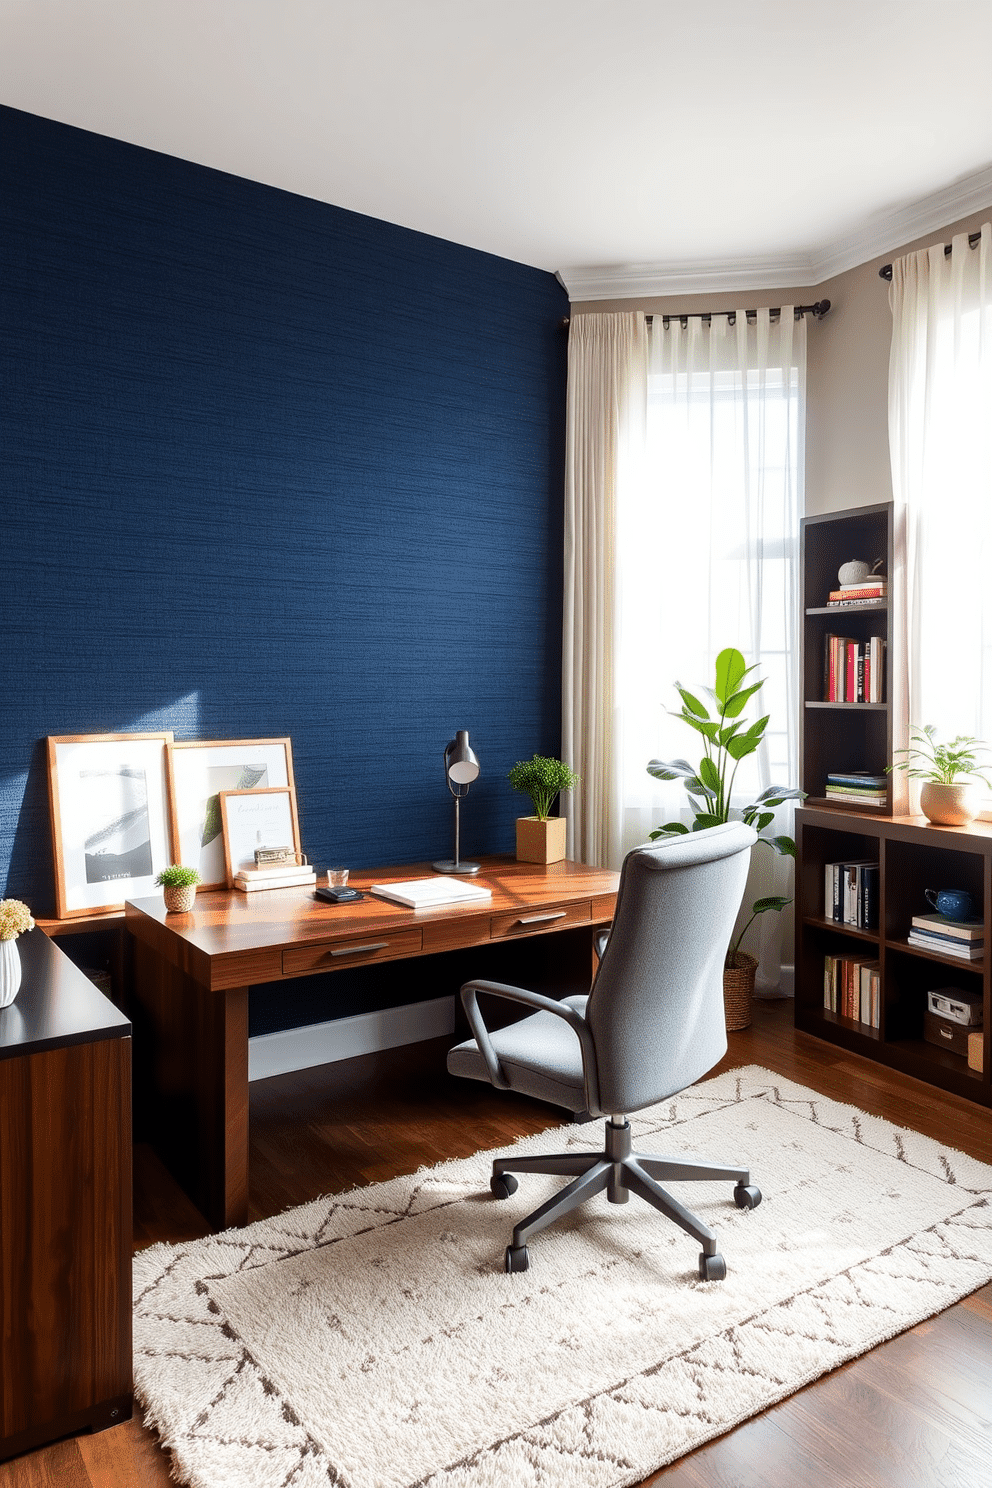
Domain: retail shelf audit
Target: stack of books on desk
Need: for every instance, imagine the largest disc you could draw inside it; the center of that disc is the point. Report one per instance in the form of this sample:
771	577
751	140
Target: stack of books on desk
964	939
274	876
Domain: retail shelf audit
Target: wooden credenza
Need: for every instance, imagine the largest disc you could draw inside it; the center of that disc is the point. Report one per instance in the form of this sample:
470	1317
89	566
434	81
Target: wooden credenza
65	1205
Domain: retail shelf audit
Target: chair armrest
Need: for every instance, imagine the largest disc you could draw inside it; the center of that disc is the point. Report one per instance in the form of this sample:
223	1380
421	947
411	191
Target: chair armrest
470	1001
599	942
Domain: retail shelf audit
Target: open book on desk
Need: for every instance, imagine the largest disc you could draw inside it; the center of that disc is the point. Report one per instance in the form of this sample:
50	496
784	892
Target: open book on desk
429	893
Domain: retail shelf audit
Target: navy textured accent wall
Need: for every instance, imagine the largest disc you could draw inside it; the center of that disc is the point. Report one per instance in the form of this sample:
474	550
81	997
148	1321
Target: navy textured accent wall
271	467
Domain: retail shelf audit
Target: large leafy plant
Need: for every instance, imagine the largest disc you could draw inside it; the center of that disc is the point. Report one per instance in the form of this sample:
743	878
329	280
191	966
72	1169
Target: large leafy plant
727	739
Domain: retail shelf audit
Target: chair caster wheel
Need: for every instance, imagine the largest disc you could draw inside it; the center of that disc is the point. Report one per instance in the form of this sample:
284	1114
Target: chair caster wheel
711	1268
517	1258
746	1196
503	1185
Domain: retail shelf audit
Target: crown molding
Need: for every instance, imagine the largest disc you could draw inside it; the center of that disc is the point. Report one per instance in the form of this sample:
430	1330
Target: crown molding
640	281
887	232
883	233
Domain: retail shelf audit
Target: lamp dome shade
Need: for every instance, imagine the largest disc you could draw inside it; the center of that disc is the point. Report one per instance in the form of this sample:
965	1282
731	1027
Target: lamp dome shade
460	760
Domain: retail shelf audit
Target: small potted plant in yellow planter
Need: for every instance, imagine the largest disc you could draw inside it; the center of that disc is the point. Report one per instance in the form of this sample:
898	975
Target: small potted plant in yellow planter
541	837
178	885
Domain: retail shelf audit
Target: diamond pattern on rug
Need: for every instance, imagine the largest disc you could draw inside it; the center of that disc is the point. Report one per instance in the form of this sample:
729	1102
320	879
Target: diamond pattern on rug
372	1340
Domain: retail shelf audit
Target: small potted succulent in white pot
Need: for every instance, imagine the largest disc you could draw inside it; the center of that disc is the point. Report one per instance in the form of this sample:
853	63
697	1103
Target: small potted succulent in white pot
951	774
541	837
178	885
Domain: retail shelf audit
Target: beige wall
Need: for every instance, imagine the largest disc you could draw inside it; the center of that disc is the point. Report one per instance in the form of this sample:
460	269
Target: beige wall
847	447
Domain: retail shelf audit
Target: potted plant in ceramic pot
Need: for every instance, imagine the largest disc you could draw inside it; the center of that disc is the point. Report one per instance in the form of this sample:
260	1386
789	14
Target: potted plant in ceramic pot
728	739
541	837
178	885
951	774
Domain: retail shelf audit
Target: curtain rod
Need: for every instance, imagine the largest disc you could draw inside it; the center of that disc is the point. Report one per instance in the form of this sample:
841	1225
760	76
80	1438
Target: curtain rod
818	311
885	272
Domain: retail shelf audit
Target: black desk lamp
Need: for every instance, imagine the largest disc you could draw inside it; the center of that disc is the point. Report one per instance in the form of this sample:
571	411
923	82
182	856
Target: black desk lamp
460	768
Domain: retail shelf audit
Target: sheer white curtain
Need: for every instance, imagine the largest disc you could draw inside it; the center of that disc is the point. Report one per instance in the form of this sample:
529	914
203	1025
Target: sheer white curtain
940	438
703	492
607	379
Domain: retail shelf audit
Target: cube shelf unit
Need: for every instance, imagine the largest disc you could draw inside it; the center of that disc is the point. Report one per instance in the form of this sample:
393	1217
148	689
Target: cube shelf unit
913	856
842	736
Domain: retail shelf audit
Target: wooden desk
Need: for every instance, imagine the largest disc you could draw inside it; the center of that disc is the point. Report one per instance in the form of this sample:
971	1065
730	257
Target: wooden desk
65	1205
191	974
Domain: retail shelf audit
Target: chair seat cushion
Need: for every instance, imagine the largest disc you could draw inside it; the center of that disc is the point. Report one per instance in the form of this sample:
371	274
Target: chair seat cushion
540	1056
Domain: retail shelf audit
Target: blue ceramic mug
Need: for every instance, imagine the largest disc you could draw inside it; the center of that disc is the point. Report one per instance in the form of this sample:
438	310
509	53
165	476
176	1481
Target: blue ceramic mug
956	904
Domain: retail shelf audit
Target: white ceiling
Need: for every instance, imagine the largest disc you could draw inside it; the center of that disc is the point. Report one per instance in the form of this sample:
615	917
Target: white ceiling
632	145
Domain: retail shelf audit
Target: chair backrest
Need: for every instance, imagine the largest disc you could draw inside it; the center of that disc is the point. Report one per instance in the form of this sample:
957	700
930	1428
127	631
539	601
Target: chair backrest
656	1007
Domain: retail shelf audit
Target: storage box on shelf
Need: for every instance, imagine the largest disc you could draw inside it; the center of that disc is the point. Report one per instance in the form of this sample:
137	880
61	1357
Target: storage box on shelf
845	657
913	856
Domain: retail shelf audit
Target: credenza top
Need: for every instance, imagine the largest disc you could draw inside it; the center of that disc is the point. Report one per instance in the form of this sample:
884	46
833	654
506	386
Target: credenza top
56	1004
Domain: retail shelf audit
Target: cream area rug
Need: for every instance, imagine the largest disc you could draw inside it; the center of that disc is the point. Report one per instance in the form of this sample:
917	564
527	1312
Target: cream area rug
373	1339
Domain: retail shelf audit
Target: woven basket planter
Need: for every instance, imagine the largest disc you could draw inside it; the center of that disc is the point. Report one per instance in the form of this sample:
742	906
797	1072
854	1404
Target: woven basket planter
179	898
738	991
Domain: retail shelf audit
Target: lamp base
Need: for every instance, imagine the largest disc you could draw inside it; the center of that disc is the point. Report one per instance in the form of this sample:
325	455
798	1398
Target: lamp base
451	867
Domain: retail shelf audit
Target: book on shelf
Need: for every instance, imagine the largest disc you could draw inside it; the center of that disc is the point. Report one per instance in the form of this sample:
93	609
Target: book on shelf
941	945
857	780
299	879
866	593
851	893
939	924
425	893
853	671
852	988
854	798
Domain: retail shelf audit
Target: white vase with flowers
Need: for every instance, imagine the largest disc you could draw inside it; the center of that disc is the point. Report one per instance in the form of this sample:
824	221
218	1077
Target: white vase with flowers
15	918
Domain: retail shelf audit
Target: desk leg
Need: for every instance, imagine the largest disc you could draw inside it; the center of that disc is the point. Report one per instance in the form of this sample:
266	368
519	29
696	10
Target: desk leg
191	1083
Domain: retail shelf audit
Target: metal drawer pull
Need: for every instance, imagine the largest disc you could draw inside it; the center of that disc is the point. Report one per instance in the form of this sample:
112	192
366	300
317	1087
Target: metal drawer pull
380	945
557	914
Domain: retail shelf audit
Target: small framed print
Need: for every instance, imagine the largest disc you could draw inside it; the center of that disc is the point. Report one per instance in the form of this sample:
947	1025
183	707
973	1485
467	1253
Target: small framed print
110	819
198	770
253	819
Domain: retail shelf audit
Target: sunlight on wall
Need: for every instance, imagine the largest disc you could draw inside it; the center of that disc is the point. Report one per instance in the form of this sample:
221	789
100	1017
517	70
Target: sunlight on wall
181	716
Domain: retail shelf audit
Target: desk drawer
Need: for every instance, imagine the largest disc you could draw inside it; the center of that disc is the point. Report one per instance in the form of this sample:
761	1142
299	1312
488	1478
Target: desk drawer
359	951
534	921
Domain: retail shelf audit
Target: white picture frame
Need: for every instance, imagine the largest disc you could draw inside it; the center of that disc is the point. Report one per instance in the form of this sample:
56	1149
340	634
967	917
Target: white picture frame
109	819
198	770
253	819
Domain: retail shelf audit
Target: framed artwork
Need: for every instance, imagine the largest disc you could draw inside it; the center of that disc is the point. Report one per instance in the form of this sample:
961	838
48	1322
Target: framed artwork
197	773
110	818
256	818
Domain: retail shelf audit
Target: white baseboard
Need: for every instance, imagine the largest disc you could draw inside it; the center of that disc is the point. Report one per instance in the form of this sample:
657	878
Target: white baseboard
344	1038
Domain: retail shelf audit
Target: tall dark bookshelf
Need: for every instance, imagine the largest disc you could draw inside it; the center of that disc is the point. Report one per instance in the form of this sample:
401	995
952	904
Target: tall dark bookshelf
913	854
842	736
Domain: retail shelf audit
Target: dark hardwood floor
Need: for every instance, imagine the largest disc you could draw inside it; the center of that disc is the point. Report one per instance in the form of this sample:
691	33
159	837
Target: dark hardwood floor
916	1411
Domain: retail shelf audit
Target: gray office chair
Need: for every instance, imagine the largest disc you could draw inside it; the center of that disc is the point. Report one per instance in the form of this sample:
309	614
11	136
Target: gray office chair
651	1026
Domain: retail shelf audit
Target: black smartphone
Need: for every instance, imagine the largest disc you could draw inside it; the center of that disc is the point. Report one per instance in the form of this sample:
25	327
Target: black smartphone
339	894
